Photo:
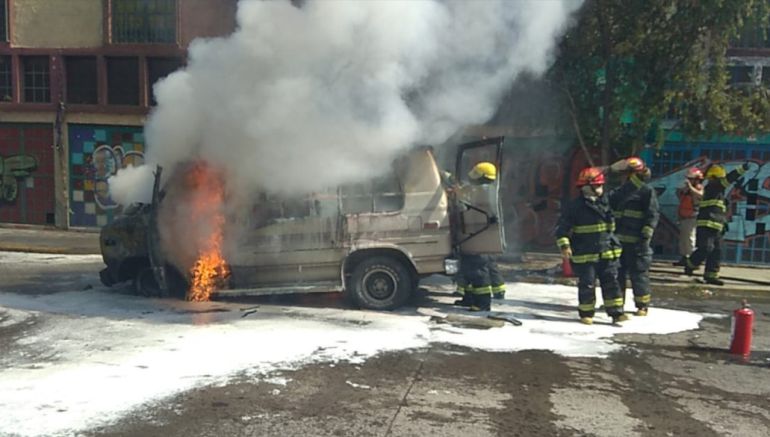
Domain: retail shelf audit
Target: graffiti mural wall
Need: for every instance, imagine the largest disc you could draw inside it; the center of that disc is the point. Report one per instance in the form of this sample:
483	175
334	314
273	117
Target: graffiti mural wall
27	174
96	153
747	240
538	176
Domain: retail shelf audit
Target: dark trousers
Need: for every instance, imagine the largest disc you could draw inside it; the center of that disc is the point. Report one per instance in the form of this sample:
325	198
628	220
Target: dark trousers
708	244
607	271
475	271
495	278
635	264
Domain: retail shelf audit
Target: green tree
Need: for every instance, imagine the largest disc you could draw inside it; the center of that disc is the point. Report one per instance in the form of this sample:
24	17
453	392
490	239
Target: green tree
625	64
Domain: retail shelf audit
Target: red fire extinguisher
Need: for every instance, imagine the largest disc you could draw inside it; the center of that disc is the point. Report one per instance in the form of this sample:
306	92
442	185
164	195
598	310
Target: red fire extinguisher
743	319
566	268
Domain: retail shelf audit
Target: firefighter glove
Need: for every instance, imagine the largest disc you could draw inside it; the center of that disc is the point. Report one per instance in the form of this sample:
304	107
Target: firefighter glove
566	252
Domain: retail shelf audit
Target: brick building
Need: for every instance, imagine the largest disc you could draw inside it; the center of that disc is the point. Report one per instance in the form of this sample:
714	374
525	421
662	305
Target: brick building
76	82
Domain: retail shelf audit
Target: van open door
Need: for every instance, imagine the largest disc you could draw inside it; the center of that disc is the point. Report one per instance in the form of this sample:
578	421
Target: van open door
478	227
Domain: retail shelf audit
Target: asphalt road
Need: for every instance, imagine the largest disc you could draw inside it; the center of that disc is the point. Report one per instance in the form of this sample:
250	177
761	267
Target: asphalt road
679	383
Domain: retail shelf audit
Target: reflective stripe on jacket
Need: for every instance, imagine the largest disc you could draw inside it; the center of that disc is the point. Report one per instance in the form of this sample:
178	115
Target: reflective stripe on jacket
636	210
586	227
713	208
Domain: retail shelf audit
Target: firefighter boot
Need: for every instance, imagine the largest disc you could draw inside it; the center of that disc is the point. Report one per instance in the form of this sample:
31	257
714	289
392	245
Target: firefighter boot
587	320
482	302
713	280
641	312
689	267
465	301
620	318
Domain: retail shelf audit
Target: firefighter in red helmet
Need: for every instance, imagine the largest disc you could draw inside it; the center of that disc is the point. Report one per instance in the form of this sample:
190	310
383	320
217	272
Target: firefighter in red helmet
584	235
635	207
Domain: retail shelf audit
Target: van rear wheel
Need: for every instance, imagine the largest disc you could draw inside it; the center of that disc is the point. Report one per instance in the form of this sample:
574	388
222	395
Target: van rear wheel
380	283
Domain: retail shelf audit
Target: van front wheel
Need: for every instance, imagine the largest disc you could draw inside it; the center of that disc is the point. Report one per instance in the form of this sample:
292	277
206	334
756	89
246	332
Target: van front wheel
380	283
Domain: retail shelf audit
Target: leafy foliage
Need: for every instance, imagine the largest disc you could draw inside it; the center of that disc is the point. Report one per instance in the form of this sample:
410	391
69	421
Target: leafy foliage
626	64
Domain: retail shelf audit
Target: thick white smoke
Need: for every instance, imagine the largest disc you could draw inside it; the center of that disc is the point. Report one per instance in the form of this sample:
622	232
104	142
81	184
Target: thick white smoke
299	98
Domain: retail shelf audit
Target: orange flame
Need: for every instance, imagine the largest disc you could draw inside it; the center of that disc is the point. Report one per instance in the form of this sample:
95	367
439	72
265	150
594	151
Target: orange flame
210	271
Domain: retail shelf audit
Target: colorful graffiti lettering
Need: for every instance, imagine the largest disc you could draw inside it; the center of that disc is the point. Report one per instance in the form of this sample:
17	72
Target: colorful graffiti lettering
13	168
96	154
749	199
105	162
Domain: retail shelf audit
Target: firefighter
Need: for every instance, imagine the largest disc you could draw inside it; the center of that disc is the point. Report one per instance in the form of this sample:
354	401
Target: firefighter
690	195
635	207
711	223
479	273
584	235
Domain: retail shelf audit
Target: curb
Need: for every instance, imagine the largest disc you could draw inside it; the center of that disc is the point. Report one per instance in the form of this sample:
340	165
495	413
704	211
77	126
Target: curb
58	250
49	228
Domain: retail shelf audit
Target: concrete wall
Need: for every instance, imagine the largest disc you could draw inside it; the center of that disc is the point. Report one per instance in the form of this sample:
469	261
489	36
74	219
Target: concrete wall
57	23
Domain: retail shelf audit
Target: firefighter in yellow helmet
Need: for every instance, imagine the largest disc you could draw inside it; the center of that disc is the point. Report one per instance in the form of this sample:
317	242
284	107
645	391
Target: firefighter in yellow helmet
711	223
483	173
479	275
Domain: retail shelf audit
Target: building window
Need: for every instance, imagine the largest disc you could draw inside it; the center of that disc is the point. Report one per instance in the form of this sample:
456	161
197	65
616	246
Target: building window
157	69
741	74
3	21
36	79
122	81
82	83
143	21
6	86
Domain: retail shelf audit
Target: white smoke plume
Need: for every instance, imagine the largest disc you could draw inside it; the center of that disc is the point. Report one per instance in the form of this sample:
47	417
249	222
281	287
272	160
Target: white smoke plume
133	185
299	98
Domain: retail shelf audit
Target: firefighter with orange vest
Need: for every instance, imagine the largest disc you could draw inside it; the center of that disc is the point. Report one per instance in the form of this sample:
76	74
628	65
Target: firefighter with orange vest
690	195
635	207
584	235
711	223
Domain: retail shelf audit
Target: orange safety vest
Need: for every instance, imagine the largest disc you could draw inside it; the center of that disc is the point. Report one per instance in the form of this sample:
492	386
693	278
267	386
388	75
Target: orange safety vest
687	207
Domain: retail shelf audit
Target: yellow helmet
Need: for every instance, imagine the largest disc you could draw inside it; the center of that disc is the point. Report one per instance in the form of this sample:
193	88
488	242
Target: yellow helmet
716	172
485	170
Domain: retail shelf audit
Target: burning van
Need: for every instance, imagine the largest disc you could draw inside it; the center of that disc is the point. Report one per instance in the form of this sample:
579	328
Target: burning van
372	241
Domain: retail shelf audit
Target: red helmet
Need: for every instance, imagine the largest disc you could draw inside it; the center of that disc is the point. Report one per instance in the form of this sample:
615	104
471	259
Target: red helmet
635	164
694	173
590	176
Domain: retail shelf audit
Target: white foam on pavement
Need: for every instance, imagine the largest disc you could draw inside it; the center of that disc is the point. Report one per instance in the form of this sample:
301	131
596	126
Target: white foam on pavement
93	356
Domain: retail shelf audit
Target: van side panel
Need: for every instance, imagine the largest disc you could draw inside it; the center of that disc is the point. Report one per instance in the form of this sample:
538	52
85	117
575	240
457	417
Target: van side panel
291	250
420	228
